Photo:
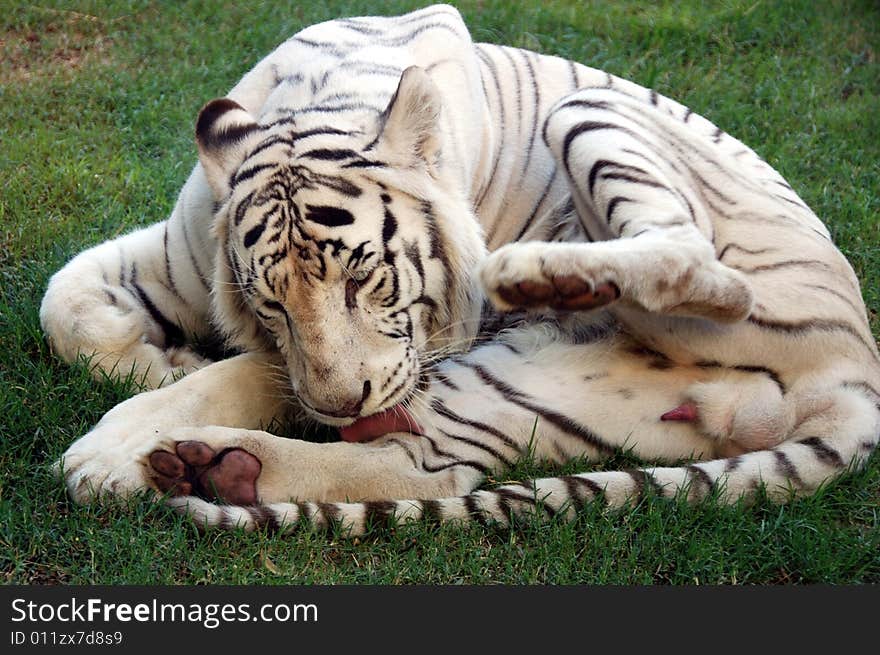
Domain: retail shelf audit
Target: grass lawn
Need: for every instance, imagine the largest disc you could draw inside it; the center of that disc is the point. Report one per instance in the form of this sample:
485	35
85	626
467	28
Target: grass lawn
97	105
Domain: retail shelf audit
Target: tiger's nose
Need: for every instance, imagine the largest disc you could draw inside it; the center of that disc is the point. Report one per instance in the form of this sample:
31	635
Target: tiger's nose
342	407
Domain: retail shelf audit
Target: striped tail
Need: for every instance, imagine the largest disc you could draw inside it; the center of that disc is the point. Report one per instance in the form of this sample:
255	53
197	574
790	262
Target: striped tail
795	468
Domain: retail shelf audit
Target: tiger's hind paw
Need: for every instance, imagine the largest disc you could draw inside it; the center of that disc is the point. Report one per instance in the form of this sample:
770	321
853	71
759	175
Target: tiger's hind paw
562	293
519	277
743	410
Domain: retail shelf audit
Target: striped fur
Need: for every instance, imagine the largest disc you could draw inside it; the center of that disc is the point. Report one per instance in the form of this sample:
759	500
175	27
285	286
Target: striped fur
365	189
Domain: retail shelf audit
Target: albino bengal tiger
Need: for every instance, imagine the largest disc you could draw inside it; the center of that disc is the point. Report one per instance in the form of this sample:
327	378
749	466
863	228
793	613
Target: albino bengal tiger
653	286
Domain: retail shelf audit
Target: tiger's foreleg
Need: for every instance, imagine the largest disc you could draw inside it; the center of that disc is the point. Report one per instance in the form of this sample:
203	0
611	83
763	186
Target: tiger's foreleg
131	305
247	391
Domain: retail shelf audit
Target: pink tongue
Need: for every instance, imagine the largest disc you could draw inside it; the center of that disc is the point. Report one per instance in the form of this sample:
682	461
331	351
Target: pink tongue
396	419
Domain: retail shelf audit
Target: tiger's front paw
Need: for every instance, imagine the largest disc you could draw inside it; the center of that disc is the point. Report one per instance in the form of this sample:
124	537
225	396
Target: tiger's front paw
194	468
108	461
532	276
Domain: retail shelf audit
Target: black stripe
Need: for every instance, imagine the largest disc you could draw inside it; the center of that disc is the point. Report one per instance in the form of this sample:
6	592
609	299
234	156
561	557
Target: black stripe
364	68
225	522
456	462
501	119
536	94
438	406
264	518
533	214
329	216
583	104
785	468
862	386
332	513
823	452
484	470
379	513
648	481
200	276
407	38
635	180
704	477
265	144
575	482
364	163
504	507
575	79
329	154
405	449
802	327
253	234
358	27
773	375
592	126
324	47
563	423
517	85
242	175
173	334
474	511
479	445
389	226
639	478
340	108
338	184
783	264
612	205
172	287
507	498
432	510
859	311
242	207
538	501
531	499
445	381
507	346
605	163
305	515
749	251
732	464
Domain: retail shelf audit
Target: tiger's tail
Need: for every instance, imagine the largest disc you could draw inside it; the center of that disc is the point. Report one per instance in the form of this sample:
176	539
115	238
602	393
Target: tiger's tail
796	467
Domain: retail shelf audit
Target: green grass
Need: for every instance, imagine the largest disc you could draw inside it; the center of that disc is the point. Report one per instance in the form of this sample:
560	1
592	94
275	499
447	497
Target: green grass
97	104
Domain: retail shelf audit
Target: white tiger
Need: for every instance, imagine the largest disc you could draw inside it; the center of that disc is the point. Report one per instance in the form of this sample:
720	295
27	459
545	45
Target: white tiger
337	232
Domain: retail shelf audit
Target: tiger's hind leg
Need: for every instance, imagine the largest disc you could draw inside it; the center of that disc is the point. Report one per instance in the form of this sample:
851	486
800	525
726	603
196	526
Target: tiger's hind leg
640	203
741	410
688	224
674	272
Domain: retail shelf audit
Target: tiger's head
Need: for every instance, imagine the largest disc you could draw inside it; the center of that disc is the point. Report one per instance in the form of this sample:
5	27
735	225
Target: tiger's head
347	249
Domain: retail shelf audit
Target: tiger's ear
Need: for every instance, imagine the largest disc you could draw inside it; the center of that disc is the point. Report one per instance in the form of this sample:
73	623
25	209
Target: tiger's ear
409	128
224	132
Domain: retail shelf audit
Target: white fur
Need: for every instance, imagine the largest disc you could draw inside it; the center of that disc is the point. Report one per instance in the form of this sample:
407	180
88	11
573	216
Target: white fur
732	296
